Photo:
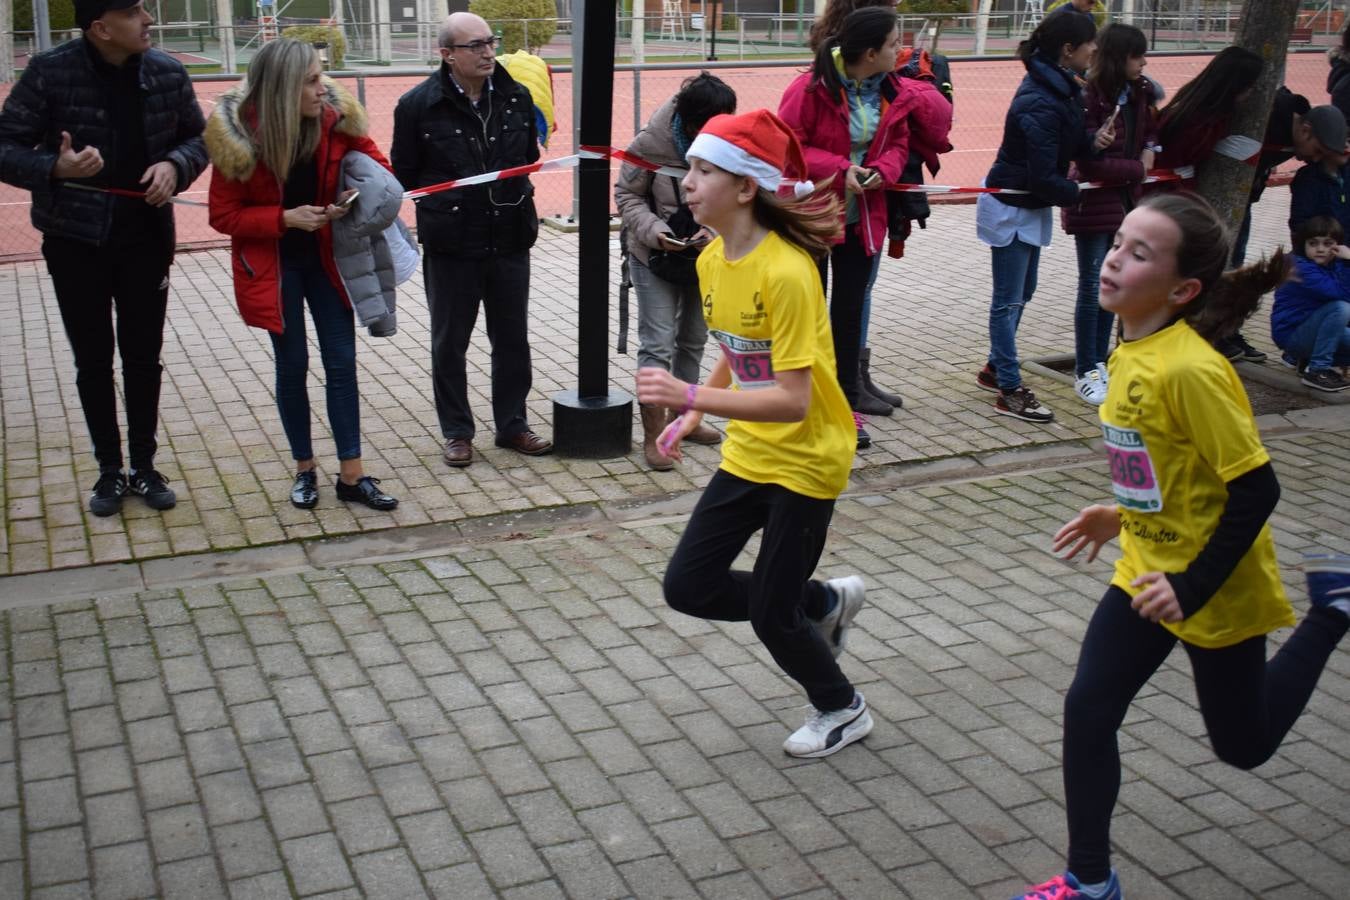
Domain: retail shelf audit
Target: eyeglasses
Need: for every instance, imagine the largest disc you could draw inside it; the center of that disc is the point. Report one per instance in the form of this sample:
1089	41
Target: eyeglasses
477	46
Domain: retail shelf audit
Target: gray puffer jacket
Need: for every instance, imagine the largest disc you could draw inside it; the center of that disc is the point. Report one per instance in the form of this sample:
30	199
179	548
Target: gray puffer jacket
61	90
361	242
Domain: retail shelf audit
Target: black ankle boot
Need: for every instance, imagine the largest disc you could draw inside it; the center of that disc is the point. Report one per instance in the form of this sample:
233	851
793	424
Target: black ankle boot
865	381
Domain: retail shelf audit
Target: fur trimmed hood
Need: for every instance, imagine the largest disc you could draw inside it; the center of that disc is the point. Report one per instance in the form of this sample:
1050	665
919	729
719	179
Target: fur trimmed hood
229	140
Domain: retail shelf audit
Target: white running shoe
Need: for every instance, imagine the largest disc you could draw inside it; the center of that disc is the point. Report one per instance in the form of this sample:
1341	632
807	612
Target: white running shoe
849	593
829	732
1091	387
1106	376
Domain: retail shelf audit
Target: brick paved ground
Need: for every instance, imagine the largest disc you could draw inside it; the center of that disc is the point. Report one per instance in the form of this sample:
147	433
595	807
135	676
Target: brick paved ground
224	450
515	713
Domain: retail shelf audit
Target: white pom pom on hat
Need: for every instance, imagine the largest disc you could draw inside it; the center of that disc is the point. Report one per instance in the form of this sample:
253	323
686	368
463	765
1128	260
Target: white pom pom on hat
757	144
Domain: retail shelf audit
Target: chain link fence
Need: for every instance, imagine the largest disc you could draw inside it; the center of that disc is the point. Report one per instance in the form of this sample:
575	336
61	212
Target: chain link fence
984	88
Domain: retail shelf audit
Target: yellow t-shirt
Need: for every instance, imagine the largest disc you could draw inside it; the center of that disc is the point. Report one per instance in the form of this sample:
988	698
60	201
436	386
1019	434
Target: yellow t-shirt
767	312
1178	427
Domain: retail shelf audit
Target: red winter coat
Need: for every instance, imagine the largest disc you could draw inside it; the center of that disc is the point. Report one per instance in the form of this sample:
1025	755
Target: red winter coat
1101	210
822	125
246	198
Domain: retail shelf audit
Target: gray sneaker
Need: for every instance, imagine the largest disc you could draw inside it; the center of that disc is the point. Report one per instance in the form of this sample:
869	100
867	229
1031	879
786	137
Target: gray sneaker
849	594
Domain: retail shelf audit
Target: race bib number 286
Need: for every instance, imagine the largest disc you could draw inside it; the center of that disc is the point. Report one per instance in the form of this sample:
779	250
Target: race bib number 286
1132	474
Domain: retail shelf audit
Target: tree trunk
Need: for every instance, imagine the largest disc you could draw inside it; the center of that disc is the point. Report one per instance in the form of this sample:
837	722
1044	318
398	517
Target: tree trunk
1263	27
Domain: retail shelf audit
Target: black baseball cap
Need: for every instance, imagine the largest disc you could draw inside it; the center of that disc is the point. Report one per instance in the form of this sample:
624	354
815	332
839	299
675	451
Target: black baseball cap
89	11
1328	126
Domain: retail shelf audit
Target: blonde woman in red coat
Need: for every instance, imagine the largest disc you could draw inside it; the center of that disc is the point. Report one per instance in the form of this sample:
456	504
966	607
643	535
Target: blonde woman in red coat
276	144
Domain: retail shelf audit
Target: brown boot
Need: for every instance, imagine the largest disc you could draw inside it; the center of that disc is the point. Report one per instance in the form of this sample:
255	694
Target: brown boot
653	423
703	434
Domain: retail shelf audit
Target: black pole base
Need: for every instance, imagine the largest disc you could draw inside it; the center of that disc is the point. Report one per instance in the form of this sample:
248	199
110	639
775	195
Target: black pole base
592	427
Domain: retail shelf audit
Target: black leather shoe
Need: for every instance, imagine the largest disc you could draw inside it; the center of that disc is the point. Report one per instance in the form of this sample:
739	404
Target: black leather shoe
305	491
365	491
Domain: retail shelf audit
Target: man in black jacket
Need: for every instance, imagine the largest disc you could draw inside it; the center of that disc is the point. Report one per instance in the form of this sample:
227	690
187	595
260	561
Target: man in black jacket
105	111
468	118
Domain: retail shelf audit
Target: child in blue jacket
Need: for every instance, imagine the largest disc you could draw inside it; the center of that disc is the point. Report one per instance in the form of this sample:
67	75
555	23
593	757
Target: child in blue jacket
1310	321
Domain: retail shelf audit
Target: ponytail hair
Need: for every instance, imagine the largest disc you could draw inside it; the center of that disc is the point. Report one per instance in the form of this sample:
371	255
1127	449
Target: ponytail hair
863	29
1064	26
831	21
1226	298
814	222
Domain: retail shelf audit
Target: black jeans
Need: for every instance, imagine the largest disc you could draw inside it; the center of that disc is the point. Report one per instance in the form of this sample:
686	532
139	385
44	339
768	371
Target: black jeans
777	596
455	287
1248	703
852	273
89	282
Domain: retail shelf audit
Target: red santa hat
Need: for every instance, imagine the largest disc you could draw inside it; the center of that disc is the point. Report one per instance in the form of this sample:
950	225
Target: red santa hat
757	144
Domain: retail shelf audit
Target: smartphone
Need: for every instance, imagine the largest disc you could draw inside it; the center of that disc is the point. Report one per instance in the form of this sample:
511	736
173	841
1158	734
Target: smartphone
676	242
872	178
346	202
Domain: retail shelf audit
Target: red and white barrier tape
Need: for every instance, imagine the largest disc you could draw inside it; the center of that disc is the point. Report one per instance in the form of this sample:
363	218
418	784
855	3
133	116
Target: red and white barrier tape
123	192
593	152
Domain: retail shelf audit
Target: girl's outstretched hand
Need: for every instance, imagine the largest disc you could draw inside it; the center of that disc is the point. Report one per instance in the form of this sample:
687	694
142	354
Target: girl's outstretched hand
657	387
1157	602
669	441
1091	528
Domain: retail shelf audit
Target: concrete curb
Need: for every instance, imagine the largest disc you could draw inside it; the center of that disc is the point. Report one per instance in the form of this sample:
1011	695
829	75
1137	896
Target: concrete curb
412	542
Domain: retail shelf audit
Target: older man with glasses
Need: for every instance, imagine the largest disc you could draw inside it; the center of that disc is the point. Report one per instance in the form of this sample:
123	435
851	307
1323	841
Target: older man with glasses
468	118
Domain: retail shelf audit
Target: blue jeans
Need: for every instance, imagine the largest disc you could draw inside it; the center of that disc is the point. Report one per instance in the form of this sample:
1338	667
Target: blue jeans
334	326
1091	323
867	298
1324	337
1014	282
671	328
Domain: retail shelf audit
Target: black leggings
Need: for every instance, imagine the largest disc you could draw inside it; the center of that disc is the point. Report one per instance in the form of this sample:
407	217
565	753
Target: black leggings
852	274
778	595
1248	704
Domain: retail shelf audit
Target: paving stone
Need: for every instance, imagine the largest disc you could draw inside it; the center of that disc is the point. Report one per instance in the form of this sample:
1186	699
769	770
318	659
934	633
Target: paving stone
114	818
260	721
124	872
315	864
340	776
275	763
388	873
104	770
46	757
191	879
178	833
432	840
507	857
363	825
245	848
48	804
228	797
55	856
584	871
166	782
619	833
200	710
267	886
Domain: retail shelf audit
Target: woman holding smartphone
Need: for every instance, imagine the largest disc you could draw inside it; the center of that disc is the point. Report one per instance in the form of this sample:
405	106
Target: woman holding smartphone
276	144
857	138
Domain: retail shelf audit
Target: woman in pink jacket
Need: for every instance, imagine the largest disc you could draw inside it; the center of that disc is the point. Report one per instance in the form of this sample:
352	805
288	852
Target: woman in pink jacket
852	132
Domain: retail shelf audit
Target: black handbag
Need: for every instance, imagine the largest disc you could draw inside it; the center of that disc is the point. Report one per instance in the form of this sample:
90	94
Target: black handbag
676	266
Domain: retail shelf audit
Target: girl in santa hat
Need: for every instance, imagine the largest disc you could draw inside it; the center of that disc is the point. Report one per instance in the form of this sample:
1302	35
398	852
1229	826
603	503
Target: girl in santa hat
789	442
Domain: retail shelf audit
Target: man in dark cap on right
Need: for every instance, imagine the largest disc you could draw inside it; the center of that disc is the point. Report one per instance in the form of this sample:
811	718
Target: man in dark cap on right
1319	188
106	111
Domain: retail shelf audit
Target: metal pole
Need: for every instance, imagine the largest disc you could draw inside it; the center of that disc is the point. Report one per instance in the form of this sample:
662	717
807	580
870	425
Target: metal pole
225	24
638	36
593	421
42	26
6	41
714	21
